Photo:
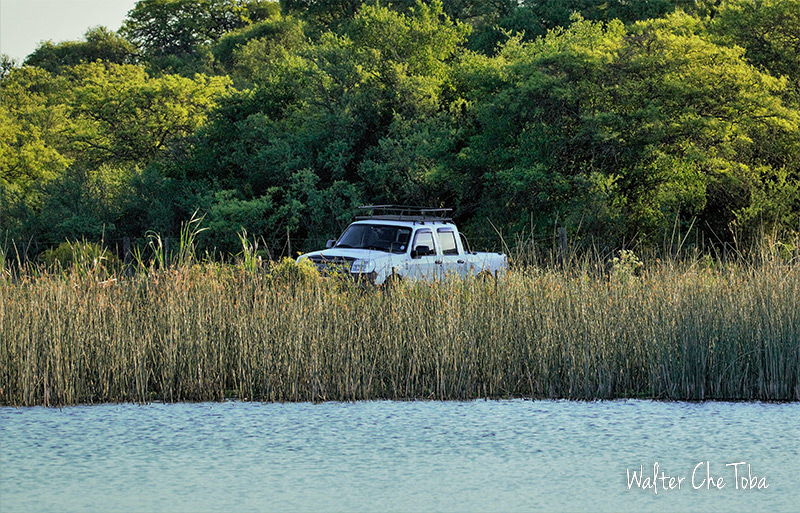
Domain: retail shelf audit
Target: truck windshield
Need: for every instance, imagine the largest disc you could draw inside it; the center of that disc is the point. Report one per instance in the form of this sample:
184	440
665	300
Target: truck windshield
380	237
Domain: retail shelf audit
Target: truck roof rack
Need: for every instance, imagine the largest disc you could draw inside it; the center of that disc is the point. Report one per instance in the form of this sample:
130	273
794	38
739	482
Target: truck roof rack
405	213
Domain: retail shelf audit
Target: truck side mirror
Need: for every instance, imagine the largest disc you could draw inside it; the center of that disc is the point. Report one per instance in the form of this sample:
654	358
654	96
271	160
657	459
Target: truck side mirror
330	243
420	251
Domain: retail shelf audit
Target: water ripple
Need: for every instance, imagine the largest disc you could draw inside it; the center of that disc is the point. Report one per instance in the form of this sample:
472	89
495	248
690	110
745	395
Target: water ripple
391	456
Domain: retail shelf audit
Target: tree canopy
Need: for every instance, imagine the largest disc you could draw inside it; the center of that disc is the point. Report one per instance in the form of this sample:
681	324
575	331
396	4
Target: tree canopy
619	120
99	44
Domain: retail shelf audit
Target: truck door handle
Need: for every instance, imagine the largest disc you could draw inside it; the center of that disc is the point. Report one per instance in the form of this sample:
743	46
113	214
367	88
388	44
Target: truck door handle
461	261
437	262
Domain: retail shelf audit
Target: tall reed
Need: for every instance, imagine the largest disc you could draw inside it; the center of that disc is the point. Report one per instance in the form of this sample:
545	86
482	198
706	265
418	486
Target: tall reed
672	330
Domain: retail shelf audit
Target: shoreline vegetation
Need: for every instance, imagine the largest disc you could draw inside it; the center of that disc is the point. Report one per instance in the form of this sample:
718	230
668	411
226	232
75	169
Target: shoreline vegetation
690	329
622	125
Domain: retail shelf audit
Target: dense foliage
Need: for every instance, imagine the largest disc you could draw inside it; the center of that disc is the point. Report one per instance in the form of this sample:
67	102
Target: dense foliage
620	120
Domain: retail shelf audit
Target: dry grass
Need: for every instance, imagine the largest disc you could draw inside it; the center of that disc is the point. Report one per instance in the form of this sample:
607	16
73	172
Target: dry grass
207	332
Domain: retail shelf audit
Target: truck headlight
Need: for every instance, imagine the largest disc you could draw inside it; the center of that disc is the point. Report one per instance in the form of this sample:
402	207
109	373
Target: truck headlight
362	266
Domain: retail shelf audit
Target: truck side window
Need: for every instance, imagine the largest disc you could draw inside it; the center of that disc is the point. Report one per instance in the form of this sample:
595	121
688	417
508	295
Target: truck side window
447	238
424	238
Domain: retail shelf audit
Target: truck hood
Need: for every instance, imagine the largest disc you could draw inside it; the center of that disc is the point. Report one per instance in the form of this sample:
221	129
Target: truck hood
366	254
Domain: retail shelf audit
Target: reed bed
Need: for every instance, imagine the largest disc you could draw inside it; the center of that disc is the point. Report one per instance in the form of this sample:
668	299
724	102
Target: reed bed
209	332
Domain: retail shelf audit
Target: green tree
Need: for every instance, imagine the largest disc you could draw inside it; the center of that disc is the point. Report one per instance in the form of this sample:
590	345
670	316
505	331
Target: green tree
534	18
120	114
228	214
323	12
315	113
72	144
174	36
83	203
99	44
241	51
620	131
260	10
7	64
768	30
722	124
32	127
414	163
179	27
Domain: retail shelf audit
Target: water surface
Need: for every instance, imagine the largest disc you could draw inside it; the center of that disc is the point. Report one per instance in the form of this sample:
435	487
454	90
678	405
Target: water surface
397	456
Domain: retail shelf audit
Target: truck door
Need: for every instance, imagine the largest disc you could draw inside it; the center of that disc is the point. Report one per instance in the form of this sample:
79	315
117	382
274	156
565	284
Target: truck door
453	260
425	262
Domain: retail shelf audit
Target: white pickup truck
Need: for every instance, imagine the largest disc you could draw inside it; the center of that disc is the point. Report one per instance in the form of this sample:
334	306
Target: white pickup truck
393	243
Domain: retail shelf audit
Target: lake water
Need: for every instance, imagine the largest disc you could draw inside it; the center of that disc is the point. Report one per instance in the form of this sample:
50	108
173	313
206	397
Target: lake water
399	456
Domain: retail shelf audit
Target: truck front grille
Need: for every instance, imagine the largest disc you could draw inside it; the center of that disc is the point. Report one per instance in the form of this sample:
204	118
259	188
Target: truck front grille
327	265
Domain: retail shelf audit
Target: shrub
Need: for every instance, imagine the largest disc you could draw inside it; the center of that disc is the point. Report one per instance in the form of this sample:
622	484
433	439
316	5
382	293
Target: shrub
287	271
82	256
